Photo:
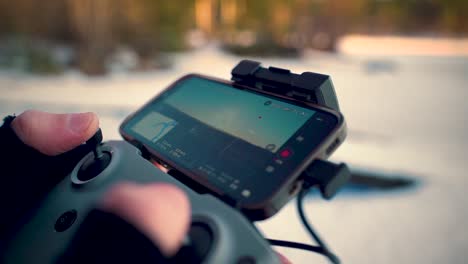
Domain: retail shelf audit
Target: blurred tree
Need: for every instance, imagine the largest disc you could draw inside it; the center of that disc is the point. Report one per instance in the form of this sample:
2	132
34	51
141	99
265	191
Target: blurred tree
454	16
418	16
97	28
91	22
171	20
42	19
324	22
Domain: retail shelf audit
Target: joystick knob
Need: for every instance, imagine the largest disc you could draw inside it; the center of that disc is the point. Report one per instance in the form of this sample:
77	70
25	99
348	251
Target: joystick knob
94	143
95	164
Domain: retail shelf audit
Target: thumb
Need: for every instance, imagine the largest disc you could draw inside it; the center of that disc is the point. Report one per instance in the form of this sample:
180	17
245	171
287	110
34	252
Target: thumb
161	211
53	134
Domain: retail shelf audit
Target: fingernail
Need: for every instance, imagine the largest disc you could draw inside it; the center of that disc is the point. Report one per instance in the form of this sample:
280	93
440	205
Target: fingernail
78	123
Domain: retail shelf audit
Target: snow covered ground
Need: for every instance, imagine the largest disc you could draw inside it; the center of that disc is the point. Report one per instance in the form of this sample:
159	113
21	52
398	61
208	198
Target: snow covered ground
405	114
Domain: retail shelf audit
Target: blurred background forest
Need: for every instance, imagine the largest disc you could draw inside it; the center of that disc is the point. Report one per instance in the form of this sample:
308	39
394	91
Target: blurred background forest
93	35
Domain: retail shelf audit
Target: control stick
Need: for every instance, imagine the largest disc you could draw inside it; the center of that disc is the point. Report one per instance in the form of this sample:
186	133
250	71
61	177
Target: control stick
95	164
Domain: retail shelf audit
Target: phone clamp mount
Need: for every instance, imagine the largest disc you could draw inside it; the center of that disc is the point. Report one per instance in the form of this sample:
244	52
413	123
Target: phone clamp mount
308	87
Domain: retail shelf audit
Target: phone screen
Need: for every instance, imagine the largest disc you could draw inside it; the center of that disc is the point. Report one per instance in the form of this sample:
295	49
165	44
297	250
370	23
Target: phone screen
242	142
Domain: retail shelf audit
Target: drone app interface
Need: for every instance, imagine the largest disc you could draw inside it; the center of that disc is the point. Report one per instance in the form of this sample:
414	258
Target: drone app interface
234	139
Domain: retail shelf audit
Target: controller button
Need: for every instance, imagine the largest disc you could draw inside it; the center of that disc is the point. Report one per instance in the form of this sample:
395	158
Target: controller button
246	260
200	240
65	220
286	153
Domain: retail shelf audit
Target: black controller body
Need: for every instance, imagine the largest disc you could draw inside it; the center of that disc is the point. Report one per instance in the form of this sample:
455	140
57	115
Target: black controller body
234	238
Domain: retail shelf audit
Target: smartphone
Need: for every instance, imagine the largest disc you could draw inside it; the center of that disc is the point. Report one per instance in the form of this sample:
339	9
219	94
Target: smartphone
244	145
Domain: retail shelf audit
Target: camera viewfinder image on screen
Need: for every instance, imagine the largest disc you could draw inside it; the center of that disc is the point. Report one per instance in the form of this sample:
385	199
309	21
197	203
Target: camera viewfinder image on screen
233	138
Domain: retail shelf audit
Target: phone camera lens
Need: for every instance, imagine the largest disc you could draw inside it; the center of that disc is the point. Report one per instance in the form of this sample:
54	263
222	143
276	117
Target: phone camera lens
267	103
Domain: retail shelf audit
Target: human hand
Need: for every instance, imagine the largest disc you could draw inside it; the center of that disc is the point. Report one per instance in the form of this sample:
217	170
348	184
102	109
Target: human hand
165	220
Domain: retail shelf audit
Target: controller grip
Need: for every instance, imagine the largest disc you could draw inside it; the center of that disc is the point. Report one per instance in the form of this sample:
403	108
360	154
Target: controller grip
106	238
219	233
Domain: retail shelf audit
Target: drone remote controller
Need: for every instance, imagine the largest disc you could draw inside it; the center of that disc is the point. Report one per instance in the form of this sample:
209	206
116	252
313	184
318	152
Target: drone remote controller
220	233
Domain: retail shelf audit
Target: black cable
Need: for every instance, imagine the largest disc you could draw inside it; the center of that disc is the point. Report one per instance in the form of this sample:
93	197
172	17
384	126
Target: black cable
321	248
290	244
300	209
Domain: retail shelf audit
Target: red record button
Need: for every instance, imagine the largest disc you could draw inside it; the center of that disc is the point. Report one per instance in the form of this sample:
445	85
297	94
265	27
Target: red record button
285	153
